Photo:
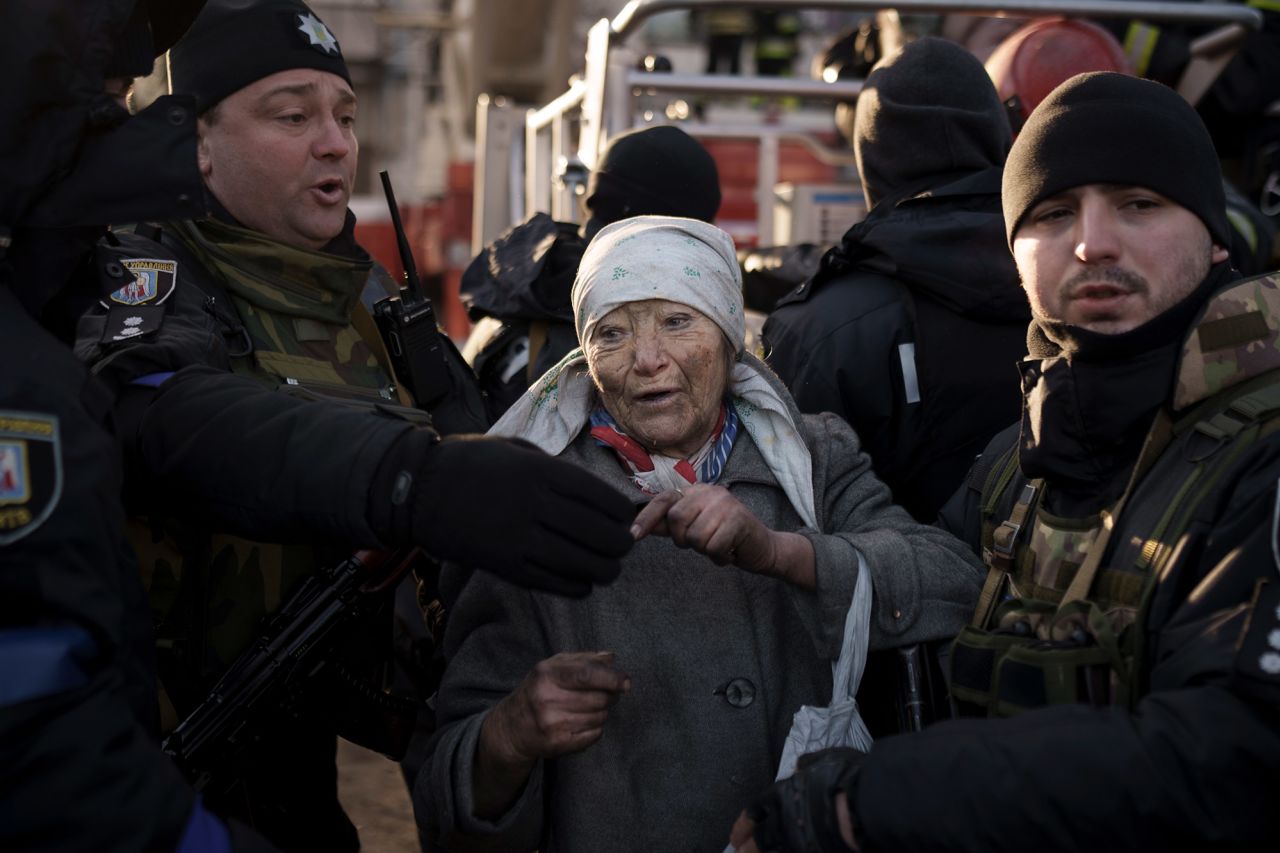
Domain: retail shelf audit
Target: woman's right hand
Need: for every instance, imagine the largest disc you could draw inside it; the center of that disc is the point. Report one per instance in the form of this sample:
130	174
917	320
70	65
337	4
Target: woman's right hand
560	707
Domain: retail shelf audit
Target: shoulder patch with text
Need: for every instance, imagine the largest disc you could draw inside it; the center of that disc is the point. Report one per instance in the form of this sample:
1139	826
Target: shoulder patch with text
30	472
153	282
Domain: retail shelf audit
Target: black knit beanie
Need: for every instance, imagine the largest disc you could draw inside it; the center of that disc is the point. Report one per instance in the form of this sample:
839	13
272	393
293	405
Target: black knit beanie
238	42
927	111
655	171
1108	128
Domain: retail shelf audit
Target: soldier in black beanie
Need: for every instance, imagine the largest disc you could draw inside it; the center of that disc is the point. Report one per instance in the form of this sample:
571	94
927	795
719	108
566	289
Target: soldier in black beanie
237	42
1108	128
1125	650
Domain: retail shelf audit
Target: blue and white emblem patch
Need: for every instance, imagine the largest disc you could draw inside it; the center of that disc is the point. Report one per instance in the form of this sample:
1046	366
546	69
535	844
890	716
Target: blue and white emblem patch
30	472
153	281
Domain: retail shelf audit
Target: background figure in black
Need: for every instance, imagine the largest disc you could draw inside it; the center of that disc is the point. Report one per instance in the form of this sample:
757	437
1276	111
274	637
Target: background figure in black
517	289
777	35
912	325
726	32
1043	54
1239	108
82	768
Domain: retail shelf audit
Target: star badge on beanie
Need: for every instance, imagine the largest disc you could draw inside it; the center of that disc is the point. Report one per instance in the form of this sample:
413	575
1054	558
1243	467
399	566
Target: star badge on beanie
234	43
317	33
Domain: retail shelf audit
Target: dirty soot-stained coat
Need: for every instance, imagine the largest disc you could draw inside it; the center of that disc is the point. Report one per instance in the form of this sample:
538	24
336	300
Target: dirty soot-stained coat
719	659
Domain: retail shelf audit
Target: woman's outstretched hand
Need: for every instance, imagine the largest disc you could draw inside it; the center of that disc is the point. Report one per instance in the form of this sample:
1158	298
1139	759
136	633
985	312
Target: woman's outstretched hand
713	522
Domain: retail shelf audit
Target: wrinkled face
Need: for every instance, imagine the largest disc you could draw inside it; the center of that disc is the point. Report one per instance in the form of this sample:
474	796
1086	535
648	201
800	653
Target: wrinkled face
280	155
662	369
1109	258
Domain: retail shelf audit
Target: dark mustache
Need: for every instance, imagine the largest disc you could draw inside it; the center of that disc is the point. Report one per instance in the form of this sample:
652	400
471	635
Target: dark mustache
1119	276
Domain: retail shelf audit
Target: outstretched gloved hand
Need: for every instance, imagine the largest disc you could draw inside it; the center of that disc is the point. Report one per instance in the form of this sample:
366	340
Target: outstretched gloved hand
808	811
503	506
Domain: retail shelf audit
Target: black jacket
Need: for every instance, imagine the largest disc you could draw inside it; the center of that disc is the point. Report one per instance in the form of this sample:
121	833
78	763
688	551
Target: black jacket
199	441
911	331
82	769
1195	764
208	451
520	281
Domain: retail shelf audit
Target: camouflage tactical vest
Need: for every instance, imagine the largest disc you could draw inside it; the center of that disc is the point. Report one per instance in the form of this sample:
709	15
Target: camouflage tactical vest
1062	614
210	591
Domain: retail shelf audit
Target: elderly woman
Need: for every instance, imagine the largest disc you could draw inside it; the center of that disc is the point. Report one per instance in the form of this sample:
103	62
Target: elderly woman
639	718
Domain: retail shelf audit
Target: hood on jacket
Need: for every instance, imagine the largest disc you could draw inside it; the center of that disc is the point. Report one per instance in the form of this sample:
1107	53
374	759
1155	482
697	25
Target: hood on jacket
927	114
526	274
947	244
73	161
55	114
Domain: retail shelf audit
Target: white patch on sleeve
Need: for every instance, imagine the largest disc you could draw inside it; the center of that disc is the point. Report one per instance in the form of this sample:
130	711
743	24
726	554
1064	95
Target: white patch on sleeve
910	382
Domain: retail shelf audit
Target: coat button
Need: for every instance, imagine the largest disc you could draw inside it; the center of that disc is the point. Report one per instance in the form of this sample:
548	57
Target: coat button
739	692
897	614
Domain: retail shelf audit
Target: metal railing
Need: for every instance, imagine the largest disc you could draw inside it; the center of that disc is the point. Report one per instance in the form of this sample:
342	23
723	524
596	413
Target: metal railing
635	13
602	103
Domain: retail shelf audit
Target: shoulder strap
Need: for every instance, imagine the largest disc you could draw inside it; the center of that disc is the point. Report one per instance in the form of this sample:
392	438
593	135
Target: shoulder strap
1241	412
1158	438
999	542
362	321
537	340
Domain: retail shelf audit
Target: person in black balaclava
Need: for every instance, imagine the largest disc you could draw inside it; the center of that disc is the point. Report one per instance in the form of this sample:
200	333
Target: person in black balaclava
911	326
82	767
1126	648
517	289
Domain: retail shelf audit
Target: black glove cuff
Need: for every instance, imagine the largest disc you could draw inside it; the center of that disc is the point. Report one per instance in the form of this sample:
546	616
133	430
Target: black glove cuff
393	491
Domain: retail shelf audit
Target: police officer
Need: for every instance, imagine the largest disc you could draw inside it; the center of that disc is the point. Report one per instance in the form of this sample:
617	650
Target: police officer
258	411
1126	648
81	767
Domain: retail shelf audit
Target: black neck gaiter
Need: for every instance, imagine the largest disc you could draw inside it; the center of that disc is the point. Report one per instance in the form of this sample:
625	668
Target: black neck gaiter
1090	399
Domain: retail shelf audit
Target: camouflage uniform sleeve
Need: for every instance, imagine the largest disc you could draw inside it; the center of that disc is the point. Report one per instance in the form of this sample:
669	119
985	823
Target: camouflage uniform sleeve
1193	762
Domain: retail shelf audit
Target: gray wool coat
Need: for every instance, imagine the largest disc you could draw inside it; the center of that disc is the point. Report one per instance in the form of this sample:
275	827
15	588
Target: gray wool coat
719	660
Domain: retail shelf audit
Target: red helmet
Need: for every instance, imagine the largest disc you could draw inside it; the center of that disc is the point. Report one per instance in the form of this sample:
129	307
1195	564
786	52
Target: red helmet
1034	59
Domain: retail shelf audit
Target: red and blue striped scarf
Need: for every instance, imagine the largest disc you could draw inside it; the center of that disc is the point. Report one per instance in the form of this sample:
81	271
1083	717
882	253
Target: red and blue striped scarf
658	474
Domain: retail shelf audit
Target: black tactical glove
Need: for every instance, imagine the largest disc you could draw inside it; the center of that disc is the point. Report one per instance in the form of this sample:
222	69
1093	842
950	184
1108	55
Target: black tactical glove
798	814
503	506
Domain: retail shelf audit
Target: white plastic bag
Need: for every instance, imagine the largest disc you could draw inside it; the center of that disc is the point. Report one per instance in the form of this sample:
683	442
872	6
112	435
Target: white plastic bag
840	724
